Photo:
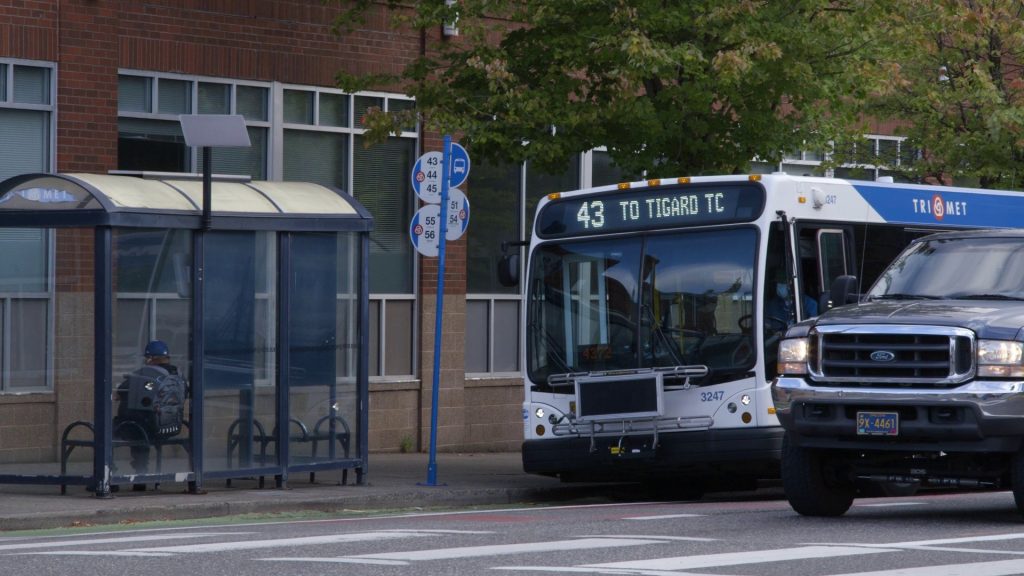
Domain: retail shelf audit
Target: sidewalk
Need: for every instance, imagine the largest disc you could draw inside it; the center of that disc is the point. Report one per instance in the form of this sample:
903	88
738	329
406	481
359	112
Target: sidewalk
391	484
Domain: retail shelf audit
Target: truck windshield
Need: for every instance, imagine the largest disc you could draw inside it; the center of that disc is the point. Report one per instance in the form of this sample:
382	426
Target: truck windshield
960	268
657	300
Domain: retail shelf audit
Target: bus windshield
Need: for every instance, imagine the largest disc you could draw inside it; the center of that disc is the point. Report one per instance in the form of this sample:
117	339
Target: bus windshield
654	300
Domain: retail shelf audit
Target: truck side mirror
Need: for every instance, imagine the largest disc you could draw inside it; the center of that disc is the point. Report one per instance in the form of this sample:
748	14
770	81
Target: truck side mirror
508	270
844	291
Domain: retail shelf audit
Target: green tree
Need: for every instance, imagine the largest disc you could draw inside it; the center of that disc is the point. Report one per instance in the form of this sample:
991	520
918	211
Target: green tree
671	87
952	79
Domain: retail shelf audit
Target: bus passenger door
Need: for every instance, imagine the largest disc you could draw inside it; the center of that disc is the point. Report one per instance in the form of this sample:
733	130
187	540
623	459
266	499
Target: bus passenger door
824	256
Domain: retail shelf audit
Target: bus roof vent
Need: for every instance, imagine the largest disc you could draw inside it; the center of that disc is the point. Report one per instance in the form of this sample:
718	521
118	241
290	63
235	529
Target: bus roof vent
885	179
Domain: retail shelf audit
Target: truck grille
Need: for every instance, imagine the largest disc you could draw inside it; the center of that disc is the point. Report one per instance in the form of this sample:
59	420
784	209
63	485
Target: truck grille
887	355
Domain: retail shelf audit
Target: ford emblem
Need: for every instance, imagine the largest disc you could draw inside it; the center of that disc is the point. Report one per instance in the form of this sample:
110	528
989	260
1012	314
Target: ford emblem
883	356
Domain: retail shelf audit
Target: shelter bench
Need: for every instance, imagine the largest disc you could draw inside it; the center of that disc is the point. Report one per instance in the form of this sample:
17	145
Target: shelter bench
68	444
299	433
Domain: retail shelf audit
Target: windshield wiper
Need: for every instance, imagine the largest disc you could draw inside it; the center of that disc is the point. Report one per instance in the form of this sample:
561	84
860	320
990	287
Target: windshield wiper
902	296
985	297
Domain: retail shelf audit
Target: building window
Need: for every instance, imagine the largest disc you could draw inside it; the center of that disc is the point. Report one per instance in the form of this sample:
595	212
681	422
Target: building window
26	310
26	116
322	142
149	132
504	200
875	157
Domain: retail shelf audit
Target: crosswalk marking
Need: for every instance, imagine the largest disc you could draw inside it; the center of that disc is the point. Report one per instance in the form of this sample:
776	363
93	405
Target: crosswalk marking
285	542
665	517
724	559
125	553
478	551
117	540
997	568
650	536
891	504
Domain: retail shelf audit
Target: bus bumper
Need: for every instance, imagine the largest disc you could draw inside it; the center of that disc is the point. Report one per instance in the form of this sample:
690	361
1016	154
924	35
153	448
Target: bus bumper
706	453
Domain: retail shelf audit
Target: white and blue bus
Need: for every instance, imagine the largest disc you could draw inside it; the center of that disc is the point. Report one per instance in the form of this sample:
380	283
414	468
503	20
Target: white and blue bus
653	309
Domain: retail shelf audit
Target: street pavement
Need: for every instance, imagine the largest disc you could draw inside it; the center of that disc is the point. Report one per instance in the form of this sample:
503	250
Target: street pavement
393	482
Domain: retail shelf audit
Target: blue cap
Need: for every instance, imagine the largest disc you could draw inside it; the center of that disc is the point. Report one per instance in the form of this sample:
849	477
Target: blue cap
157	348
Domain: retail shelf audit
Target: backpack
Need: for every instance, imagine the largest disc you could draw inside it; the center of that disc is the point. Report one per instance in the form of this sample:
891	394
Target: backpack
155	399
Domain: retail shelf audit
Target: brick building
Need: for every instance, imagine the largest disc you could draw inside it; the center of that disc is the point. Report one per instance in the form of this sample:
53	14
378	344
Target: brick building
97	85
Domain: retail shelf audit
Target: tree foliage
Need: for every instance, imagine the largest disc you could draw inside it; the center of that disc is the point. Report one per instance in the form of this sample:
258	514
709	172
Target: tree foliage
669	87
952	78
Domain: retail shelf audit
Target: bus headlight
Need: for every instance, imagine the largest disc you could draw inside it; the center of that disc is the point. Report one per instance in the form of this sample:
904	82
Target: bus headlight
793	356
1000	359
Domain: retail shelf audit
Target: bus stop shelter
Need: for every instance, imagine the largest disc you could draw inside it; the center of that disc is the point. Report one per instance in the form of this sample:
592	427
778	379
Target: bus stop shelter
264	313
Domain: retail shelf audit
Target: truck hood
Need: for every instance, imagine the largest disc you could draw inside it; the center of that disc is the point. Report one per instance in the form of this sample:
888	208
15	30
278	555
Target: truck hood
1000	320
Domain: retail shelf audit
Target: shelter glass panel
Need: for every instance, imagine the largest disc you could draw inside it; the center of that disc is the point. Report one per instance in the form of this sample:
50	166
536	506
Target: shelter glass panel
46	350
323	396
239	403
151	356
26	300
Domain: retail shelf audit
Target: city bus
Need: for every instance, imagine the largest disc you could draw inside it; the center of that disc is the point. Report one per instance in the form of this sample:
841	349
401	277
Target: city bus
653	310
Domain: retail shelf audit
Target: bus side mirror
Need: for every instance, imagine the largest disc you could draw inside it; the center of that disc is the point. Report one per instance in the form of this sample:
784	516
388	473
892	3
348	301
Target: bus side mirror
844	291
508	266
508	270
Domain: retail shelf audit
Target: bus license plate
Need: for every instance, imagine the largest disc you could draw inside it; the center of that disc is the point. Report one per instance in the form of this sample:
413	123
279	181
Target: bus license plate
878	423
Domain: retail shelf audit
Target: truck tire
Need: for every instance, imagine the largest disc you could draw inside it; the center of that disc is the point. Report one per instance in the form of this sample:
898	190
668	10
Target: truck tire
1017	479
810	485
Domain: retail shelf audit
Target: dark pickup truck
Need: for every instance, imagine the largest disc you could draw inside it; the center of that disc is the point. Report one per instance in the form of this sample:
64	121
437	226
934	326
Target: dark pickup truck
920	383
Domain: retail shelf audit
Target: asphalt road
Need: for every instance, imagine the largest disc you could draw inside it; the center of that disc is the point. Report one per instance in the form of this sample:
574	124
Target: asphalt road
976	534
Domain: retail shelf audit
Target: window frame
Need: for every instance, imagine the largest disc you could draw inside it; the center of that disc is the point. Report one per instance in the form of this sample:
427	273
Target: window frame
6	299
50	110
194	81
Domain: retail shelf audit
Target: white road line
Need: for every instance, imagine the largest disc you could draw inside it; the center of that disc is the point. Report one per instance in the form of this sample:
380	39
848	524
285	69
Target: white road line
998	568
650	536
97	553
891	504
494	550
739	558
923	543
342	560
122	540
578	570
284	542
665	517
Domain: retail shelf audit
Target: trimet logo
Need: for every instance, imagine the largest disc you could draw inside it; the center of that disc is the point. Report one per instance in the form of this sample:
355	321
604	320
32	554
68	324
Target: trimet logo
940	208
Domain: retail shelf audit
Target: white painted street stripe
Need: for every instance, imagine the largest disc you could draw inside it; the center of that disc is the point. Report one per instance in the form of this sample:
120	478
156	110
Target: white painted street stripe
438	531
494	550
339	561
739	558
121	540
997	568
649	536
97	553
963	540
665	517
284	542
927	543
893	504
578	570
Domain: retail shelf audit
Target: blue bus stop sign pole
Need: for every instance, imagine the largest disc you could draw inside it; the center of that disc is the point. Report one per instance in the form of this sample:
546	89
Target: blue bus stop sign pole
446	163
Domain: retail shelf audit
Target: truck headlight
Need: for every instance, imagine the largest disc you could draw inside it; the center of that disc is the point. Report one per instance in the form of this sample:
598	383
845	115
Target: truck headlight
1000	358
793	354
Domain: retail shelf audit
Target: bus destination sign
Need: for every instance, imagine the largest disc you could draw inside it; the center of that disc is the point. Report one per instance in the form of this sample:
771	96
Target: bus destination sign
649	208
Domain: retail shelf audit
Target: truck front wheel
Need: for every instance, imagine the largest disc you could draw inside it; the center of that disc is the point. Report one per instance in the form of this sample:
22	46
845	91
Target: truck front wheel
1017	479
813	486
